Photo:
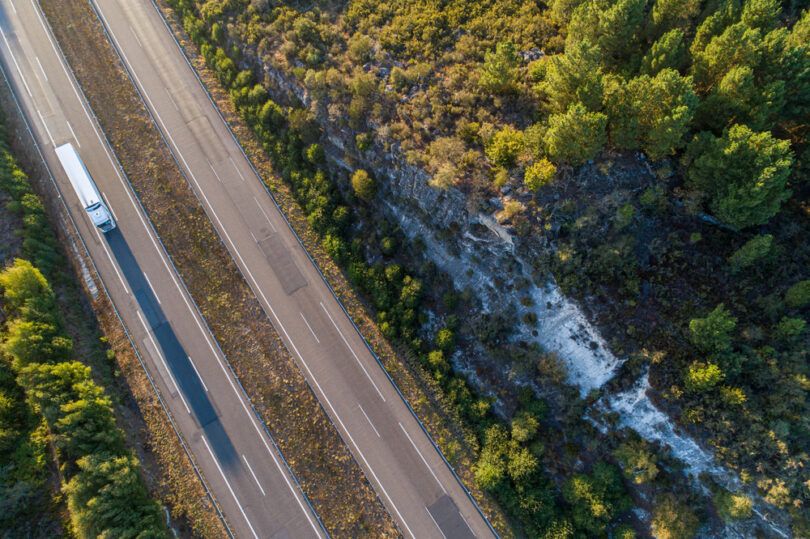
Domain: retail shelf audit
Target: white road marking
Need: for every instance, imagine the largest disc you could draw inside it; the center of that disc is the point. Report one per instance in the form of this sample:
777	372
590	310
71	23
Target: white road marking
352	351
253	474
423	458
152	288
109	206
369	420
73	133
48	131
136	37
41	69
198	373
237	168
115	267
12	6
162	360
465	522
27	89
265	214
229	485
214	171
434	521
172	99
307	323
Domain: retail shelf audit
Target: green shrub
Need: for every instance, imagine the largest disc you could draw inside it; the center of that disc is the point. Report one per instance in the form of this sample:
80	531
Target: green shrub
363	185
713	333
732	506
798	295
750	253
445	339
539	174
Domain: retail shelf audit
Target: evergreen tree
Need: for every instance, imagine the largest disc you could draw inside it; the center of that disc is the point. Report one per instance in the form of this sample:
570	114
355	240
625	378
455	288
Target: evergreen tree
576	136
743	172
500	70
574	77
669	51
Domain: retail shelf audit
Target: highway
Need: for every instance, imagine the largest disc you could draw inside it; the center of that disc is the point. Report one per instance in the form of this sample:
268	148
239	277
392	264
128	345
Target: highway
408	473
233	452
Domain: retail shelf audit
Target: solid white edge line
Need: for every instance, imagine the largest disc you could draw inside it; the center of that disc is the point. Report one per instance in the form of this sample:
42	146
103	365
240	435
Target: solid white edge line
198	372
434	521
109	206
162	360
12	6
11	53
369	420
228	484
74	134
253	474
352	351
114	265
152	288
423	458
307	323
41	68
265	214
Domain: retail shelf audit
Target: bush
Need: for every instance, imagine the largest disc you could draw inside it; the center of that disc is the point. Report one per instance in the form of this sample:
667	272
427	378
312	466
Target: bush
750	253
713	334
732	506
363	185
596	499
703	377
505	147
673	519
445	339
539	174
798	295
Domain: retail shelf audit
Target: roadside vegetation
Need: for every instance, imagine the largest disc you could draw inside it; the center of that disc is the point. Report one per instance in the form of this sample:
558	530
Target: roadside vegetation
330	478
66	465
654	154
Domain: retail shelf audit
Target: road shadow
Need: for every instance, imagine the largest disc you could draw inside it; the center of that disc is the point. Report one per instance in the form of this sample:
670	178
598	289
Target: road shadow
176	357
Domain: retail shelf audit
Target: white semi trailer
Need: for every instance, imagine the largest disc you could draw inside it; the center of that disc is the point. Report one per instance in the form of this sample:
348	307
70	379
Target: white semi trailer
85	188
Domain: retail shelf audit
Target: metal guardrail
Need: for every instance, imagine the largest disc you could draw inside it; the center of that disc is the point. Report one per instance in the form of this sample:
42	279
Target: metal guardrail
325	280
112	304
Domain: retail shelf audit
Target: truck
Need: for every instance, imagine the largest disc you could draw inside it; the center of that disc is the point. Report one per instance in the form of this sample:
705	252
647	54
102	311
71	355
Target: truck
85	187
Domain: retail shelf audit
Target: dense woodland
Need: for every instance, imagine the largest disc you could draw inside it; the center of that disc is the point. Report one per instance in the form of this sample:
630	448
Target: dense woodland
64	464
697	269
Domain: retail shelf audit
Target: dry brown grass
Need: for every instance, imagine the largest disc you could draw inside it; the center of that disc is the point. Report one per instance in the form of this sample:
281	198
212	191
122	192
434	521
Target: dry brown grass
329	476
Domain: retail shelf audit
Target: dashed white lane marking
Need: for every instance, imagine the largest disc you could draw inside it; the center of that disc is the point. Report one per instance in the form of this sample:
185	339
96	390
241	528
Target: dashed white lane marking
228	484
307	323
104	245
79	144
423	458
265	214
369	420
41	69
434	521
214	171
48	131
253	474
152	288
109	206
172	99
136	37
237	168
198	373
352	351
162	360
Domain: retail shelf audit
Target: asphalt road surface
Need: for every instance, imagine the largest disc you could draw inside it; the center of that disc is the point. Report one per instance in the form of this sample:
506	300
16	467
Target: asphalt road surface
233	452
413	481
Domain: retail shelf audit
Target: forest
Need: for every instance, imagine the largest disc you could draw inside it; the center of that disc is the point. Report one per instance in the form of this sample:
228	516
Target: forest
66	467
654	152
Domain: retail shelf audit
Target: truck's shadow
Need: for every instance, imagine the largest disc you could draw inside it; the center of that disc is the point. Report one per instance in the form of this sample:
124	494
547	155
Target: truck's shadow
176	357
